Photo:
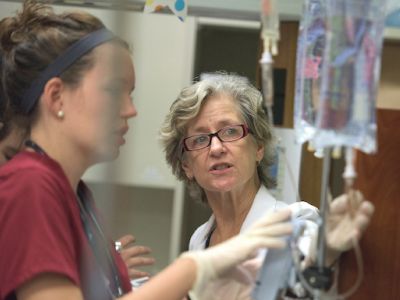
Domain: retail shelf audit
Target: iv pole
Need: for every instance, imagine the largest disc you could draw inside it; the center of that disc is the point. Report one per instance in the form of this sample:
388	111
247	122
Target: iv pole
324	210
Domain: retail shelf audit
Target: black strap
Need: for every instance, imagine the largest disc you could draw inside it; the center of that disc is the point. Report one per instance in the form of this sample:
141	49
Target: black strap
208	240
31	144
99	243
2	97
62	62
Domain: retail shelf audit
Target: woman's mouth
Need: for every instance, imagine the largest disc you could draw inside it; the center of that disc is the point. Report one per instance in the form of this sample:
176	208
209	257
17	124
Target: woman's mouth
220	167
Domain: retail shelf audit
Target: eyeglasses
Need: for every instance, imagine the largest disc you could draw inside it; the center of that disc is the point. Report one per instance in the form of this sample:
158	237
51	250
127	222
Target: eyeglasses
226	134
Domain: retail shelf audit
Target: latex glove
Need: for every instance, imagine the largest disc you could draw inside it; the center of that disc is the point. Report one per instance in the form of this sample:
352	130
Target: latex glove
348	218
218	261
238	284
133	256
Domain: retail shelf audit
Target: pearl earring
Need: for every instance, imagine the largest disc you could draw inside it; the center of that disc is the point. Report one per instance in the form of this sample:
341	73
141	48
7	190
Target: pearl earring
60	114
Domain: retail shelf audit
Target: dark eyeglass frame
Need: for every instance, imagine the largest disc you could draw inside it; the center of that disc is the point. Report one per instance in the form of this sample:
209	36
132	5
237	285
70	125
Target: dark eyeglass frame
246	131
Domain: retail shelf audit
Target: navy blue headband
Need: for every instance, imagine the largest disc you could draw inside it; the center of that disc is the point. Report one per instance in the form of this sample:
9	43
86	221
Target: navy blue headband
2	98
62	62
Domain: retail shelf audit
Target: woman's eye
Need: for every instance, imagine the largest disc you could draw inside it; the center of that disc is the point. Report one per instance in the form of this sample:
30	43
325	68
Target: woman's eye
200	139
115	92
231	131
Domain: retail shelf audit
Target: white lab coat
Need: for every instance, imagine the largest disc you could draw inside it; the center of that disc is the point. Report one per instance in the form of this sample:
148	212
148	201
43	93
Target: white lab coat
263	203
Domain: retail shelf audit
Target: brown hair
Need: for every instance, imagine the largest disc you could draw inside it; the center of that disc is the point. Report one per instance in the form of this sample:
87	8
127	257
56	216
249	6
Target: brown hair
33	39
4	124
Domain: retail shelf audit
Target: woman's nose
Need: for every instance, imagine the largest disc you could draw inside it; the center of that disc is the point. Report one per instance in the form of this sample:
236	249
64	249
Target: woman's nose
216	145
128	110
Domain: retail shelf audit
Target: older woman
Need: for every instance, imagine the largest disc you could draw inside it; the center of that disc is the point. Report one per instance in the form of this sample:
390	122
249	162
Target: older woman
218	140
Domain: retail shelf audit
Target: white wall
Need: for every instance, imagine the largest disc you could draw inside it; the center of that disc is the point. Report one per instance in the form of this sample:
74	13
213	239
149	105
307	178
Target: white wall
161	50
287	8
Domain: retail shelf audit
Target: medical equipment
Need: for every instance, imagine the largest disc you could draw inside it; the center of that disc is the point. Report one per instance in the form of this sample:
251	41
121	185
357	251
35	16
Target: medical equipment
310	47
270	36
350	75
338	65
348	88
273	277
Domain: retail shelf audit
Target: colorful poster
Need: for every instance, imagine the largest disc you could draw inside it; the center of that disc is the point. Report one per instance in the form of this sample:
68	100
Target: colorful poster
178	7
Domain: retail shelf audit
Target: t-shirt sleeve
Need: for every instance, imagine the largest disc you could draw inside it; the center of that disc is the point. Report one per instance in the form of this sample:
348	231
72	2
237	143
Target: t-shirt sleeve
37	234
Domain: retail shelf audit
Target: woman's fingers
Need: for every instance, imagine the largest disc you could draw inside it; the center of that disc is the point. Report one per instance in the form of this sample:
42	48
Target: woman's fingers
274	217
133	251
133	256
140	261
126	240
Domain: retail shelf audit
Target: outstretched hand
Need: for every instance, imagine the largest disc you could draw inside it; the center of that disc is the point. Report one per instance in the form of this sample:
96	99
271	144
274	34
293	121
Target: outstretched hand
350	214
134	256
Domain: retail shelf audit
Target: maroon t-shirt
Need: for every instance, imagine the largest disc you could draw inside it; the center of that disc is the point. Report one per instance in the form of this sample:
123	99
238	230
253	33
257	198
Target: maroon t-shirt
41	229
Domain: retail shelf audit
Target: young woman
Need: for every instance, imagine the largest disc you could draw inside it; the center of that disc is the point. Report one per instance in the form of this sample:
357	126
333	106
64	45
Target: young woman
13	133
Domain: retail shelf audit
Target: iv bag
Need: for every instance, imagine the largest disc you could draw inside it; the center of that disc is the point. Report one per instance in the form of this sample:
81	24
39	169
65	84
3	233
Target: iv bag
310	47
270	36
270	25
350	74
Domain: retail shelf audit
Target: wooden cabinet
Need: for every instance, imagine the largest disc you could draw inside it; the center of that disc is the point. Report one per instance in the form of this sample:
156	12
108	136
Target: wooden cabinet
378	178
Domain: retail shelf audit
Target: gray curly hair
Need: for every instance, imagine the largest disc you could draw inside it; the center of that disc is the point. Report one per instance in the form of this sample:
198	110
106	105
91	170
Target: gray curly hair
187	106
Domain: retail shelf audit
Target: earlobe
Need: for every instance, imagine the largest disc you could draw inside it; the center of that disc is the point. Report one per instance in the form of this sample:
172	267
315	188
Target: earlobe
52	96
260	153
188	171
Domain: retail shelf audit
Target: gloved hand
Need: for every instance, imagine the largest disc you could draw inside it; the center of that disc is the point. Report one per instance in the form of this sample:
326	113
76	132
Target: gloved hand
349	216
237	284
216	262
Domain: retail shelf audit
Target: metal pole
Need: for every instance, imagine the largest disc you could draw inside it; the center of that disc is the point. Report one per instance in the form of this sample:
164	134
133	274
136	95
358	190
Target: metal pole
323	211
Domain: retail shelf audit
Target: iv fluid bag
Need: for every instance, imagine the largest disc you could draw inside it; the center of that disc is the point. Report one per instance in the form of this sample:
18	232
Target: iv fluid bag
310	48
270	36
350	74
270	26
267	83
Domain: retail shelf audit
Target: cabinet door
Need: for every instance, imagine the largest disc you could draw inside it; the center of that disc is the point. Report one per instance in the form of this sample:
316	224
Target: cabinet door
378	179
